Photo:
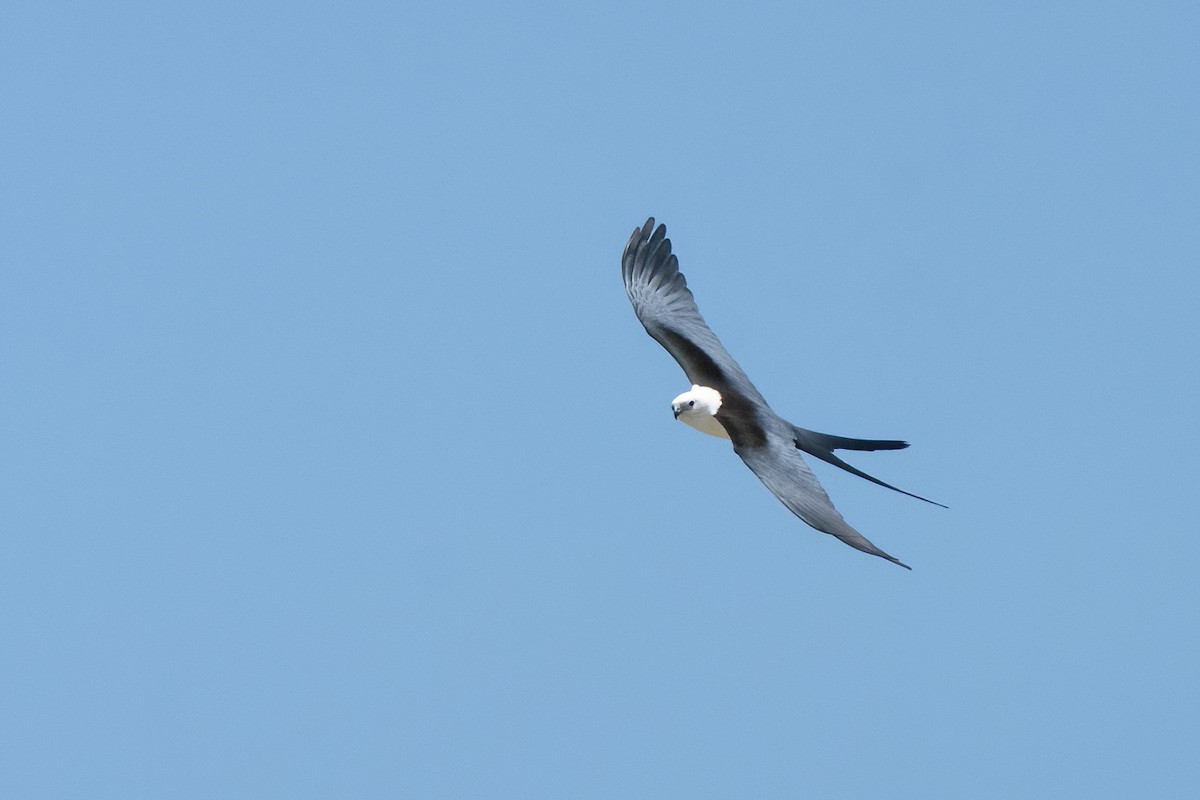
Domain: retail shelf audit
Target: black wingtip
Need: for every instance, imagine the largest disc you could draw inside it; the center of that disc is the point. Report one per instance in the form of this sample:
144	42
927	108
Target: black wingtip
888	557
643	233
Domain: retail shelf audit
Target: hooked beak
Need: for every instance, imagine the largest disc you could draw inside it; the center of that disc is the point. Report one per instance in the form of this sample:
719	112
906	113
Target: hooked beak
676	412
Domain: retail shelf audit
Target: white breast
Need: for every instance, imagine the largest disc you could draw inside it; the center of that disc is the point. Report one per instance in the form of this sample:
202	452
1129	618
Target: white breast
705	423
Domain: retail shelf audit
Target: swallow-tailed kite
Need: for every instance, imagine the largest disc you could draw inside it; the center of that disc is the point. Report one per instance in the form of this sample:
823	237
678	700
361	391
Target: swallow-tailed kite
724	403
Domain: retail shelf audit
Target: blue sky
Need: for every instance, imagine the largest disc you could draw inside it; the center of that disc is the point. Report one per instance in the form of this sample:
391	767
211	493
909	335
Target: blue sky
336	463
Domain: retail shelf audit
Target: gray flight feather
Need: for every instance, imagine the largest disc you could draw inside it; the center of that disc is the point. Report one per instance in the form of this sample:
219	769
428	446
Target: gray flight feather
769	445
782	469
665	306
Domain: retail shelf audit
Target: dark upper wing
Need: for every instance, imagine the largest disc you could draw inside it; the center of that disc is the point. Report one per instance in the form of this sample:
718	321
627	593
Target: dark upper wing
664	305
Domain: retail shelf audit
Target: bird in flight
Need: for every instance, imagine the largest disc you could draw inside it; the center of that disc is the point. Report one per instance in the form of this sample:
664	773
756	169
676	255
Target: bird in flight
724	403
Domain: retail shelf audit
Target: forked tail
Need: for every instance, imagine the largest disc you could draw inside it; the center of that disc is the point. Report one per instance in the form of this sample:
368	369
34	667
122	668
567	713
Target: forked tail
822	445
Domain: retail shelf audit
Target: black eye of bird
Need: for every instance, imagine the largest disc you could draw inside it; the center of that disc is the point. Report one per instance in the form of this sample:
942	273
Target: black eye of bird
691	403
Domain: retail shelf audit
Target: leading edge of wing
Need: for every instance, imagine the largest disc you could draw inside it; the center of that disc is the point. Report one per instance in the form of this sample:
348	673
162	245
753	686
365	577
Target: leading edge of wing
665	306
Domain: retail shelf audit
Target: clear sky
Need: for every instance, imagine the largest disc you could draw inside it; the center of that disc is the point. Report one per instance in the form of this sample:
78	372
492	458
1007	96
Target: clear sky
335	463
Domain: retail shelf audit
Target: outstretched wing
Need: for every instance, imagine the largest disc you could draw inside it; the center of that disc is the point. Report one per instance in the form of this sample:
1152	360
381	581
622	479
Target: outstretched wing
665	306
782	469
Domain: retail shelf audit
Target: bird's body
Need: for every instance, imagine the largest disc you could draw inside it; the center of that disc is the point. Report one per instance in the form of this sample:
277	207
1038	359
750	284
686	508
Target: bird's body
724	403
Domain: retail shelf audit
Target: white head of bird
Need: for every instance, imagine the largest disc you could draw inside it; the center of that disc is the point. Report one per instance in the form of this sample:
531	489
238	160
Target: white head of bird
698	407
